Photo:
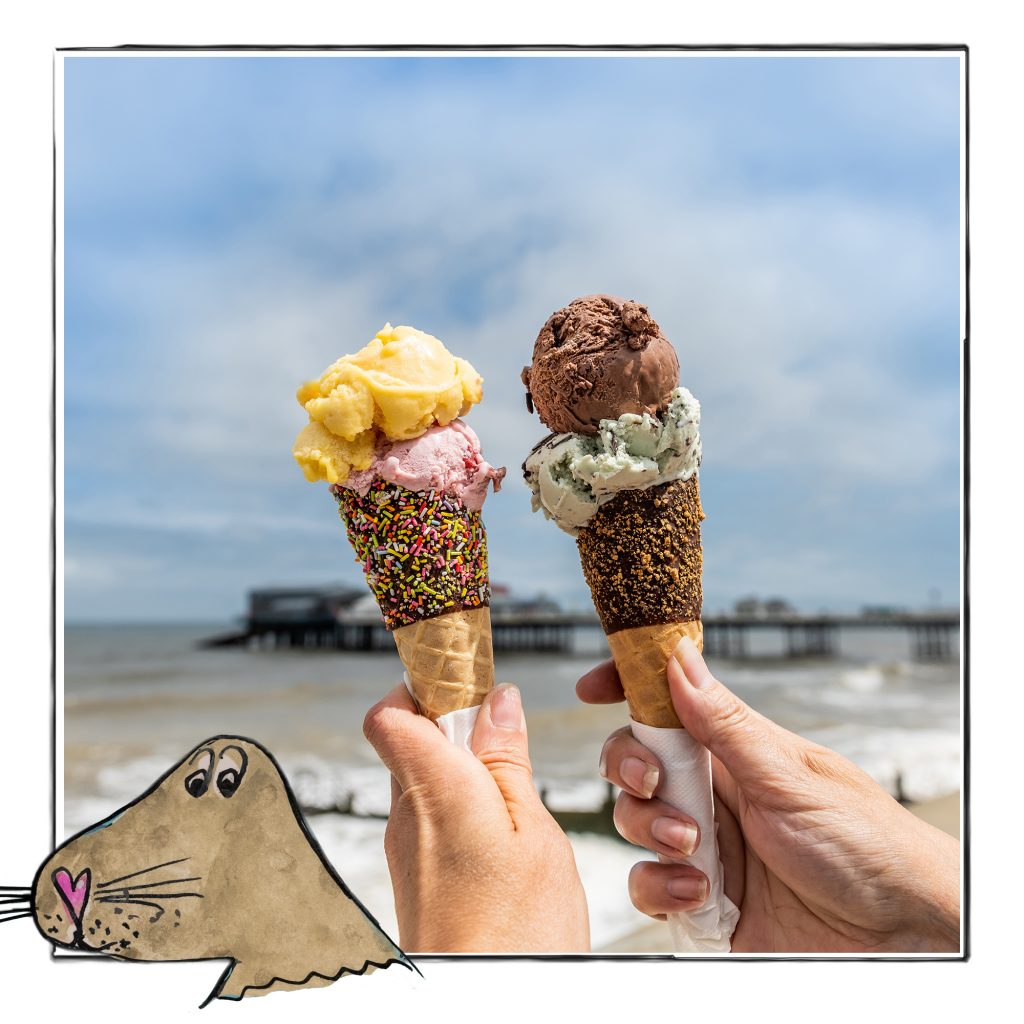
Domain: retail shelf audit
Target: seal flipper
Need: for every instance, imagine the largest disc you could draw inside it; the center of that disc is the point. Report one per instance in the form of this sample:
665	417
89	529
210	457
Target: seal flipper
218	989
241	980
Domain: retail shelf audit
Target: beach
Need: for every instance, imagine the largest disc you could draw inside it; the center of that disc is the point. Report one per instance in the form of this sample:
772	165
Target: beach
136	698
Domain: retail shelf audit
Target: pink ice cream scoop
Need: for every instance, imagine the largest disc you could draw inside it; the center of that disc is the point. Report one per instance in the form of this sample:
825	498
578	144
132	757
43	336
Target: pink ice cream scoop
443	459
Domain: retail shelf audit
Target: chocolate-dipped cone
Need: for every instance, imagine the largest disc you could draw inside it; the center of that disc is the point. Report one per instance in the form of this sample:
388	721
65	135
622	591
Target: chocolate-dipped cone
641	556
424	555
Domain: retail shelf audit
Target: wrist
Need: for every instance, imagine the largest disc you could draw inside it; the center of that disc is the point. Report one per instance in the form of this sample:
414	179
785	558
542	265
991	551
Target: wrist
936	890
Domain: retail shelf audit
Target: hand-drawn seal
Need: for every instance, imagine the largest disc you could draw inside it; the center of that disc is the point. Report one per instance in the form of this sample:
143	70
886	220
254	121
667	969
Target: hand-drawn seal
214	861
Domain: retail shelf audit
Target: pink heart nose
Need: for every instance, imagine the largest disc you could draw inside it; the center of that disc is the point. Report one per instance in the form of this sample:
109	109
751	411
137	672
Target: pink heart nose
73	893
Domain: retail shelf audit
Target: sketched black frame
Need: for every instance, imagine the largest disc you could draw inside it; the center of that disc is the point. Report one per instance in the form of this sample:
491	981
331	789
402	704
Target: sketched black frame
463	49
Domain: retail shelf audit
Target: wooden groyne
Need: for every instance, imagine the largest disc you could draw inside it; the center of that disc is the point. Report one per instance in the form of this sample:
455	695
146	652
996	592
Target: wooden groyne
335	619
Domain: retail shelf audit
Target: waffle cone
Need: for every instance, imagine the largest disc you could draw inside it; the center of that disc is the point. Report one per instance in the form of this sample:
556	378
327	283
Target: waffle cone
449	659
641	656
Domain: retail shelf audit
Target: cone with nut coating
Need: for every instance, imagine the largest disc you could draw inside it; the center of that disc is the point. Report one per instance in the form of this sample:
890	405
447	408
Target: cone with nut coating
449	660
641	556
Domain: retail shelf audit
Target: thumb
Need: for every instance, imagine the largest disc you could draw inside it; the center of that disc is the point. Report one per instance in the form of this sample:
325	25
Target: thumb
412	748
747	743
499	743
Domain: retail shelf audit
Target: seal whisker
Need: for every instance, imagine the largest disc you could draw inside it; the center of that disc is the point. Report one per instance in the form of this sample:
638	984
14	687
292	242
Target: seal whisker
140	903
144	871
127	897
15	888
154	885
26	899
4	918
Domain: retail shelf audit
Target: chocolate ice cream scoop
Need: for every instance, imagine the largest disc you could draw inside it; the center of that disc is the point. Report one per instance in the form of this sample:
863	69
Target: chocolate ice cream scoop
599	358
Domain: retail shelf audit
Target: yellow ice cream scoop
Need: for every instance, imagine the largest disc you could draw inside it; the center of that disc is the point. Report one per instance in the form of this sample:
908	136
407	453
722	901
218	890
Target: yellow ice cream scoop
325	456
402	383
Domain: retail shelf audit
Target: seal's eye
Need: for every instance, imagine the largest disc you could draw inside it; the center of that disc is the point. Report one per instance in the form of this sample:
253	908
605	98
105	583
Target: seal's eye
197	783
227	781
231	767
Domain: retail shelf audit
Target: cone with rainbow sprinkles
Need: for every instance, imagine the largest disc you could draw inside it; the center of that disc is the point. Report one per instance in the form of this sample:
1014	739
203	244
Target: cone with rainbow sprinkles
410	481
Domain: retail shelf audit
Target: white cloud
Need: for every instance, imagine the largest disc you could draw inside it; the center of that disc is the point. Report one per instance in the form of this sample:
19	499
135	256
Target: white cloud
787	307
91	572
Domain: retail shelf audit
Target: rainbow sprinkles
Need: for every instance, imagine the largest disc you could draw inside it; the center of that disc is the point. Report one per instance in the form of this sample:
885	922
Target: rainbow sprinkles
424	553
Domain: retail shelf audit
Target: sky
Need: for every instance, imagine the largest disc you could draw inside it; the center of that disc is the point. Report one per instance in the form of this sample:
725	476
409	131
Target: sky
233	224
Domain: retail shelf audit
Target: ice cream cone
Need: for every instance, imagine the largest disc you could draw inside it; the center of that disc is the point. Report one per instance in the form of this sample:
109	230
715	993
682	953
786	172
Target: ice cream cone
641	655
619	473
410	480
641	556
449	659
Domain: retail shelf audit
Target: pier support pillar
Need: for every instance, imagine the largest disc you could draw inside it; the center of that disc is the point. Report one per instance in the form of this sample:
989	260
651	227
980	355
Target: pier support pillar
931	642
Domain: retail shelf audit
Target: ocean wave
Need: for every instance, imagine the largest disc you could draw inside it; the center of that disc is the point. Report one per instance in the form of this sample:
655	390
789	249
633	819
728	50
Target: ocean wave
911	764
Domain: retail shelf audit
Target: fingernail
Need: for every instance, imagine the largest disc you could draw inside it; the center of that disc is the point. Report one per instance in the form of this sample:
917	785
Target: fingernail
602	765
640	776
698	677
691	888
678	835
506	707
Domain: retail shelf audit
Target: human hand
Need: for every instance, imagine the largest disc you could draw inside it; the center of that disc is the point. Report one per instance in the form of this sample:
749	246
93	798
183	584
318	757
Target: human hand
817	856
477	863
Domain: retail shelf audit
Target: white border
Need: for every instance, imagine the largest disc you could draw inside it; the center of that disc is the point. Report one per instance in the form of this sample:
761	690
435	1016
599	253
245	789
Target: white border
939	992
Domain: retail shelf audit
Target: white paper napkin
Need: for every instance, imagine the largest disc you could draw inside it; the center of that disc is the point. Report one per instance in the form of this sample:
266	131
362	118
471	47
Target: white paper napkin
687	787
456	725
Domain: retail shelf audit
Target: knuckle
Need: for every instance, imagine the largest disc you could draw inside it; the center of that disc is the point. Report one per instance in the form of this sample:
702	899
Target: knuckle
824	763
729	715
380	721
618	815
624	816
506	758
613	751
554	848
420	798
638	884
633	884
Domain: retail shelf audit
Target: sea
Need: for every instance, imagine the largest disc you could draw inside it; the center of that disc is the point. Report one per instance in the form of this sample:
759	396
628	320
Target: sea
138	697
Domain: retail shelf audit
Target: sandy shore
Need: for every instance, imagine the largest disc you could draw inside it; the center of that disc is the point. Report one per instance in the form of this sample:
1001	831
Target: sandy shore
943	813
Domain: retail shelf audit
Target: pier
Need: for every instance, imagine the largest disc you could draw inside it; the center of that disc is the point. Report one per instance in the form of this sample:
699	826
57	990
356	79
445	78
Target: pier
817	636
346	619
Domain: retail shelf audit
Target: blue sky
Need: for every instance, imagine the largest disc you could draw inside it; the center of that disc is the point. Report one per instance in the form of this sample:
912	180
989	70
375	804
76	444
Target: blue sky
233	224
